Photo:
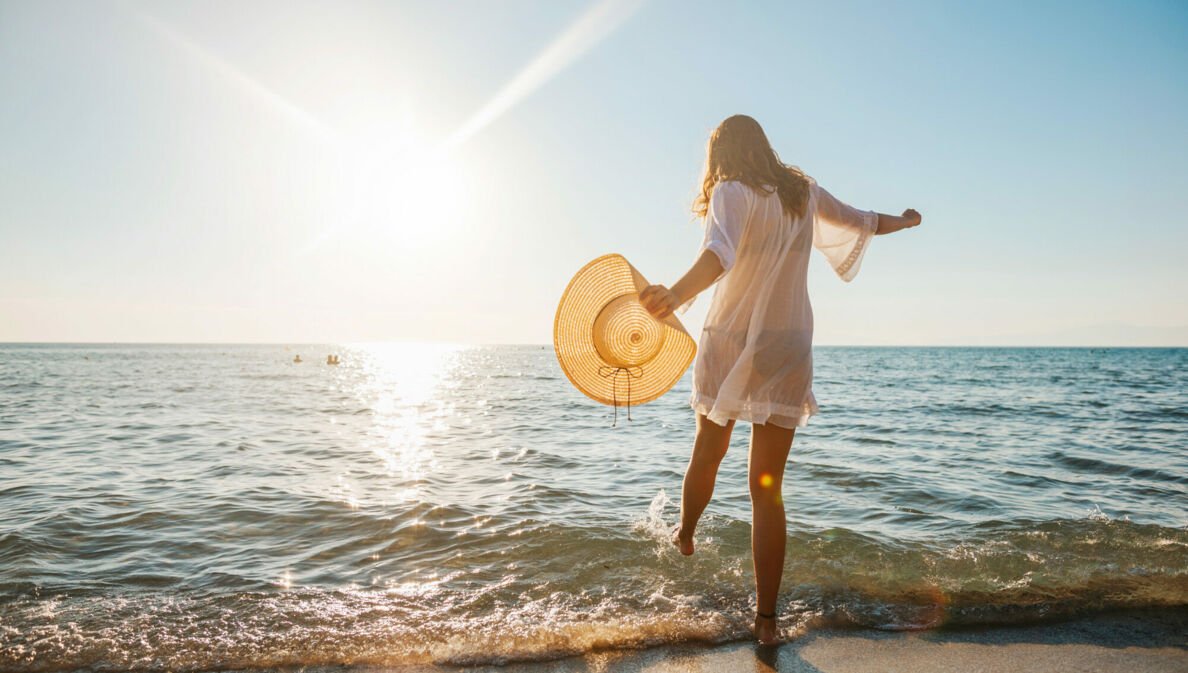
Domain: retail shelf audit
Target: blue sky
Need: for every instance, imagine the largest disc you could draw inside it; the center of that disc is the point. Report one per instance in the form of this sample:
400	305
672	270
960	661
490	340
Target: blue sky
282	171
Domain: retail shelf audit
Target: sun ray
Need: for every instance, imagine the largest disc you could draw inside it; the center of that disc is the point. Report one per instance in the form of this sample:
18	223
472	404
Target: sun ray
241	80
591	28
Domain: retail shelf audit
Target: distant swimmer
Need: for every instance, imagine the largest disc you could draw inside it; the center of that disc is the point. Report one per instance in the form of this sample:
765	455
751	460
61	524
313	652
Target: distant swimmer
298	358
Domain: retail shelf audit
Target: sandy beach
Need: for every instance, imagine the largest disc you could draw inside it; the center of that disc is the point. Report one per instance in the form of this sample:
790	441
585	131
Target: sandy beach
1128	642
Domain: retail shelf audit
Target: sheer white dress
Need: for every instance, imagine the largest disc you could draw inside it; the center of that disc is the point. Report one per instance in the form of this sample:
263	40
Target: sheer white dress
755	361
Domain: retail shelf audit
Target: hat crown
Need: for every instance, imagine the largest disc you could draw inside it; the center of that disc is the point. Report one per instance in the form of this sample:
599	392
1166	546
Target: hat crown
625	334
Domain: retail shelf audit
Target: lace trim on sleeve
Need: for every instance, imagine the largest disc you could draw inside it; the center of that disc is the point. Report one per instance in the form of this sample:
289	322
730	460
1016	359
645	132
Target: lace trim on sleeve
848	268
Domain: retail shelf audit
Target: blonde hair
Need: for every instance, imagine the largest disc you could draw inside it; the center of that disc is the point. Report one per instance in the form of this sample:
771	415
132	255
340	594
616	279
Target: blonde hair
739	150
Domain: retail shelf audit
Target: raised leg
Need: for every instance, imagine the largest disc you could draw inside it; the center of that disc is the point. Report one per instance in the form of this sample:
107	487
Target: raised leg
709	448
765	476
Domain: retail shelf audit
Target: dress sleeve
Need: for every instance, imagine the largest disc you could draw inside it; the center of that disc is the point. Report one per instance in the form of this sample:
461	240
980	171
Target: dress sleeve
724	221
841	232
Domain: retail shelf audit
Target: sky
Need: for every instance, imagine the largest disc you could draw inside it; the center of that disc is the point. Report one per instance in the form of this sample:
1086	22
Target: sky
294	172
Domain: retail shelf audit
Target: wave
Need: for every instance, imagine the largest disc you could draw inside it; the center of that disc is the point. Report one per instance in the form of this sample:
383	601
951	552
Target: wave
303	628
639	595
1097	466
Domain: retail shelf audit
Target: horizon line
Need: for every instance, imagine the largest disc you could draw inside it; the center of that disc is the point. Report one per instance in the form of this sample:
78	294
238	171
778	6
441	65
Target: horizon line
521	344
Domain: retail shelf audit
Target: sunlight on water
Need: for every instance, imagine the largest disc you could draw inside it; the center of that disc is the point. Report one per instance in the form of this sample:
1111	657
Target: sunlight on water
400	383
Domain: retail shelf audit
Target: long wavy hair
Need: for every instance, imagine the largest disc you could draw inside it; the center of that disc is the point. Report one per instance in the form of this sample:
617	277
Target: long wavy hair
739	150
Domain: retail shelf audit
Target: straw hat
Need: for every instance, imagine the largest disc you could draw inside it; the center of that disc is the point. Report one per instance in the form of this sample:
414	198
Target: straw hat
608	344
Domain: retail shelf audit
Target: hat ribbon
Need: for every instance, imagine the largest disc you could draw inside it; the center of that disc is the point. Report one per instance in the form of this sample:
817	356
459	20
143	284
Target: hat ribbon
612	373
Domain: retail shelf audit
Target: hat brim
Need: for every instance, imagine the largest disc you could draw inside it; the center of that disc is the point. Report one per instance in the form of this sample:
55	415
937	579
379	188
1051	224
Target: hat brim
592	288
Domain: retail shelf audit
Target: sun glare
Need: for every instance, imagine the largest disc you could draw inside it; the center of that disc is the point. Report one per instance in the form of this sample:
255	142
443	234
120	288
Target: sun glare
400	383
405	190
397	183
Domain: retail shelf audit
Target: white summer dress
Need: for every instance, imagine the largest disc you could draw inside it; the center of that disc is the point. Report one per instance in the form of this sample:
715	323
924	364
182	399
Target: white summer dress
755	359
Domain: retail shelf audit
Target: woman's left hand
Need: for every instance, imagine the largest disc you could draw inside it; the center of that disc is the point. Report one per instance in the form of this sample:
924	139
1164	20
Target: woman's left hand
911	218
659	301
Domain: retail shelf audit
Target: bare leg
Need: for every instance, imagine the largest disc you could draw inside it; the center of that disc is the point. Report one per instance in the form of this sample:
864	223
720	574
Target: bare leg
769	452
708	450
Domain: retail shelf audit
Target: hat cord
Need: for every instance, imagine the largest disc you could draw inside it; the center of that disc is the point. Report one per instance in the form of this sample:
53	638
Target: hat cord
612	373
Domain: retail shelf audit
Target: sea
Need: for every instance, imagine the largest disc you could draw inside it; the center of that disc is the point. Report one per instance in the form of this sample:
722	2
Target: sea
201	507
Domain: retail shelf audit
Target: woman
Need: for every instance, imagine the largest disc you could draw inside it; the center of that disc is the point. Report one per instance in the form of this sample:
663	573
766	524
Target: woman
754	361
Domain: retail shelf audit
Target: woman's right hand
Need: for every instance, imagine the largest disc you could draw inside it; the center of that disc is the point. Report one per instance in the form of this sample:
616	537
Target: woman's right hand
659	301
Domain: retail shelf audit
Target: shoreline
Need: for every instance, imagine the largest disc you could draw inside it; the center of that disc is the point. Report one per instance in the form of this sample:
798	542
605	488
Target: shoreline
1132	641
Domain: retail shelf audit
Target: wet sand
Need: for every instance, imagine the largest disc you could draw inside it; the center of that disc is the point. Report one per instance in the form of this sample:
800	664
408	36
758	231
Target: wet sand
1133	642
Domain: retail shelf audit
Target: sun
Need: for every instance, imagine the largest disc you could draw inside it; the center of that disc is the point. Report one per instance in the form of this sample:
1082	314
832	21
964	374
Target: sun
404	188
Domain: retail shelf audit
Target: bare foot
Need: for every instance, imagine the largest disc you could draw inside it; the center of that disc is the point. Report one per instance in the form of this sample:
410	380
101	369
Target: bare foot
685	544
767	630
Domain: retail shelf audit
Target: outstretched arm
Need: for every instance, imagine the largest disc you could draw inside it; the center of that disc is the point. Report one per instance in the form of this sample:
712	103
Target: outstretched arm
842	232
661	301
889	224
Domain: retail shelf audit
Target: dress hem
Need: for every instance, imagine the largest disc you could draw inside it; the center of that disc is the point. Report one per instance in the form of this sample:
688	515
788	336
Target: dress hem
751	413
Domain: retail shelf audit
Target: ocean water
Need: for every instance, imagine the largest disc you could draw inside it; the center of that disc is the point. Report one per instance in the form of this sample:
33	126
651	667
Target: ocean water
205	507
